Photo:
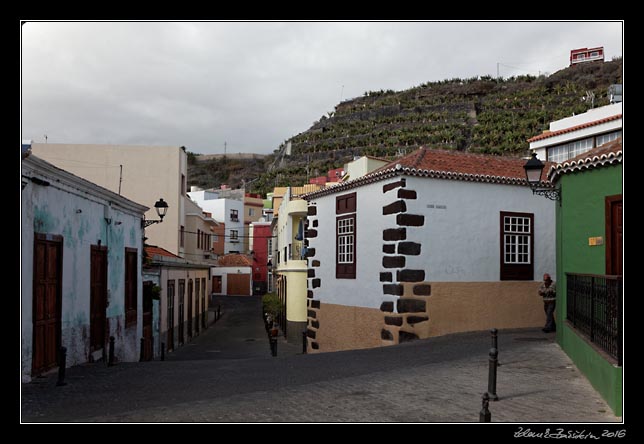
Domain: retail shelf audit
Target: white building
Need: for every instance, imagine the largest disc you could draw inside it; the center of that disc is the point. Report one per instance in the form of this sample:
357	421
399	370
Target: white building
569	137
81	247
228	211
436	242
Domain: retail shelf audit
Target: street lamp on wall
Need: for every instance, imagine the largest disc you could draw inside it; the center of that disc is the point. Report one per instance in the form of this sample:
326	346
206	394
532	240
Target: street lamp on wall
161	207
533	169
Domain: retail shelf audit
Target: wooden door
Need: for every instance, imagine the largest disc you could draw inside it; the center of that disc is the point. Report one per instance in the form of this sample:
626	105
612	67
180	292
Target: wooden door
98	298
131	284
170	315
204	311
47	302
182	294
216	284
614	239
197	304
190	308
147	320
238	284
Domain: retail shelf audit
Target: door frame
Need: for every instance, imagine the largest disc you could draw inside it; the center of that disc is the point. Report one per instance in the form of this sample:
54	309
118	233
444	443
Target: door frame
610	202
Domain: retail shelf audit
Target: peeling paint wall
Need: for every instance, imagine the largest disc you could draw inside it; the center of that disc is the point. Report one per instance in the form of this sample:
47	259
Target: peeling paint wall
60	209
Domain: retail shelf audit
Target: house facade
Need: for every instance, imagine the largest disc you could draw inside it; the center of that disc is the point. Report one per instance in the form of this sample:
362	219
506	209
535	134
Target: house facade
575	135
233	275
590	302
181	311
261	243
253	211
80	270
198	234
290	262
227	211
437	242
141	173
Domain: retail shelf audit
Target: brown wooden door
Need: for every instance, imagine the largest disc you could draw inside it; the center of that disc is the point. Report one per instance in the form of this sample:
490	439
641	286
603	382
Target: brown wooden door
203	303
98	298
182	294
190	308
170	315
216	284
238	284
197	304
47	302
147	320
614	239
131	284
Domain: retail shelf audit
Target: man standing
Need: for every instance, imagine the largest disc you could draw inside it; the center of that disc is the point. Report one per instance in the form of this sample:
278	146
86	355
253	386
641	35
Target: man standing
549	293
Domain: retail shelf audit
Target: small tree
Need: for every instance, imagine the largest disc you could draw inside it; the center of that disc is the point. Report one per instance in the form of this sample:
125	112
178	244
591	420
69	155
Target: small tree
271	304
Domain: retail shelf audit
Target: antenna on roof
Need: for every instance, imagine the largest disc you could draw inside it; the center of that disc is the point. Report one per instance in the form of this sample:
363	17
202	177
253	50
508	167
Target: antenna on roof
590	95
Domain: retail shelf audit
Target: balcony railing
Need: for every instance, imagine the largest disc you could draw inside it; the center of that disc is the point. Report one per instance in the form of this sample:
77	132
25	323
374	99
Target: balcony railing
594	308
295	251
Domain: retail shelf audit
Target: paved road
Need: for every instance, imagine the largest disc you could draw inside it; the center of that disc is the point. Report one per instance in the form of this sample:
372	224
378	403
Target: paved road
228	375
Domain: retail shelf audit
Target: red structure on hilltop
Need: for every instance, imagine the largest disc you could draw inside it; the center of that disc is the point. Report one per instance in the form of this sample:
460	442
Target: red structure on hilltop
583	55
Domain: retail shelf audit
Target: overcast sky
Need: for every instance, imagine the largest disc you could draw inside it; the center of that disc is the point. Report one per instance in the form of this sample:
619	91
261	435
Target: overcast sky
254	85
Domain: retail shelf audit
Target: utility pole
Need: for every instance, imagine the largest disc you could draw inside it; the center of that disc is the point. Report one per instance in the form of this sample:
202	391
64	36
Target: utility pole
497	70
120	178
224	149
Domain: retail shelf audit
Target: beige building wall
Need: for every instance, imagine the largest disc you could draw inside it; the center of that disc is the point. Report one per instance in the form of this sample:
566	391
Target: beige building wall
363	166
196	221
451	307
175	274
253	205
148	173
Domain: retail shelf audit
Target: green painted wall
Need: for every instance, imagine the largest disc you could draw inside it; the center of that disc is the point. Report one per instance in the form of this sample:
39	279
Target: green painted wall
580	216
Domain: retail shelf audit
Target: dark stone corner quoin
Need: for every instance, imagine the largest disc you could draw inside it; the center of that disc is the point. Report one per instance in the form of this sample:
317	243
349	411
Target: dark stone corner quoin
397	207
393	289
394	234
410	220
410	306
394	185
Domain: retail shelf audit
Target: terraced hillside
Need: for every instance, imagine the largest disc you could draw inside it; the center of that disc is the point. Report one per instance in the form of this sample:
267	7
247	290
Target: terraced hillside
481	114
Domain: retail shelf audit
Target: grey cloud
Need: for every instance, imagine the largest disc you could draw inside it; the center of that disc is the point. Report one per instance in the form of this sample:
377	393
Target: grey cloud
255	85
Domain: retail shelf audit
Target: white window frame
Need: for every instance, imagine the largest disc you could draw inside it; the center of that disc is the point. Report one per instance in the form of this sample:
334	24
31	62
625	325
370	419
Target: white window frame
345	230
516	240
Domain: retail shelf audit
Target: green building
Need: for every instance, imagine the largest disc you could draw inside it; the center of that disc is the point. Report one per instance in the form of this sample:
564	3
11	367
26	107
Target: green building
589	266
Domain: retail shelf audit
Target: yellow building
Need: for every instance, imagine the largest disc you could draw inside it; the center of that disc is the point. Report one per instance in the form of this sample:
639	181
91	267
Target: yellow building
289	258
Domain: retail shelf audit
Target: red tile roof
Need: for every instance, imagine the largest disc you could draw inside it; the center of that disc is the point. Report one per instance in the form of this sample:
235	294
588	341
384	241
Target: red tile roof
235	260
606	154
444	164
458	162
548	134
152	250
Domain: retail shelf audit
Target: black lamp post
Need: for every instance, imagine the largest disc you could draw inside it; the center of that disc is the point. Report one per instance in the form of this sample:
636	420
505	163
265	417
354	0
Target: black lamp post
533	169
162	208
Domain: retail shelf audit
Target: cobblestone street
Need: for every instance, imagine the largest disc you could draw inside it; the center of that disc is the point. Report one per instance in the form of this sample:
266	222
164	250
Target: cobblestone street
228	375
